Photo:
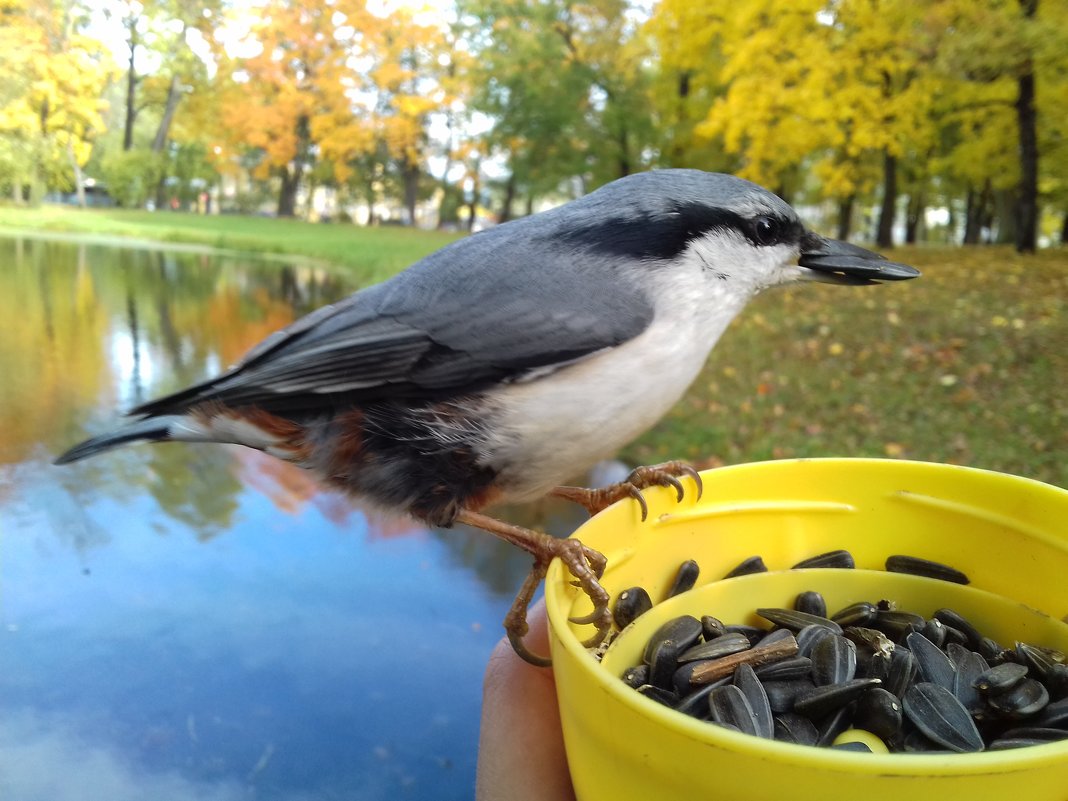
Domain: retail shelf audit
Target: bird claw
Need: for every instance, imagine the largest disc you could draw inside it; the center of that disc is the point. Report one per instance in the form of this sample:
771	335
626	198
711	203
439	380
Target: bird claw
640	478
587	566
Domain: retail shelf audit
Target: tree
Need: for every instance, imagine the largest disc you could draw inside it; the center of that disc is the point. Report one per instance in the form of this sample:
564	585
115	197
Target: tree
51	104
564	85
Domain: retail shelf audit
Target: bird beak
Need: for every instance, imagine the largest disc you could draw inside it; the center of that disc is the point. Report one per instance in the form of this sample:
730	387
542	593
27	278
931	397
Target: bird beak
834	262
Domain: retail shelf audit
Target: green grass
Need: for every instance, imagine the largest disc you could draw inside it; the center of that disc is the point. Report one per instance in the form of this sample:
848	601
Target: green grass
967	364
374	253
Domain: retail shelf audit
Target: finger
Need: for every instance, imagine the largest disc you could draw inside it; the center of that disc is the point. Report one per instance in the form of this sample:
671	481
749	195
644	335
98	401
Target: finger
521	747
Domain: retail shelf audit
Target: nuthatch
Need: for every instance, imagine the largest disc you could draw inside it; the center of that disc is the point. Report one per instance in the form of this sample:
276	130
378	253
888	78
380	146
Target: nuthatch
508	361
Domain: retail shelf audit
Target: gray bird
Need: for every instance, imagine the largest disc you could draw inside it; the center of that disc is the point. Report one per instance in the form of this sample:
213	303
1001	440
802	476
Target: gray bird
506	362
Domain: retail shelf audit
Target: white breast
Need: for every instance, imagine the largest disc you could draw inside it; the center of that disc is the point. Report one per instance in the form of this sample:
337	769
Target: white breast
554	428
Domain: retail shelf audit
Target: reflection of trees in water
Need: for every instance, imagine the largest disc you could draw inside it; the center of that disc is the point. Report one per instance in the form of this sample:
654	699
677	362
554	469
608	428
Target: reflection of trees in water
88	328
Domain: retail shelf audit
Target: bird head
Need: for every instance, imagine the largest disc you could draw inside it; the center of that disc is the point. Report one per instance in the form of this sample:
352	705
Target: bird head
732	230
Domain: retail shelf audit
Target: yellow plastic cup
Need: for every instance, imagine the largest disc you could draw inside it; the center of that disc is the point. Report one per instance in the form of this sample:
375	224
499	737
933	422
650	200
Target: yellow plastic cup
1009	534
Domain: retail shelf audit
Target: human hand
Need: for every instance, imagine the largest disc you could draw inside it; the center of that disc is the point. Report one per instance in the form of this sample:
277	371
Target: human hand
521	746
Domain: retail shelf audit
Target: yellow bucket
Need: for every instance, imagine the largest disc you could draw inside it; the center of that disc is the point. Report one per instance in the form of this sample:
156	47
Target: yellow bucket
1009	534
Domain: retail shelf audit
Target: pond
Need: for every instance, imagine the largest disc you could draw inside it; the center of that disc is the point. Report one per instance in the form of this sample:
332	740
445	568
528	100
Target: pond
204	622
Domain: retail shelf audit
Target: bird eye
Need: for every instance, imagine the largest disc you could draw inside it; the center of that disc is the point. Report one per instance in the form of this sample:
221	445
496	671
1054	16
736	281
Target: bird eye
766	230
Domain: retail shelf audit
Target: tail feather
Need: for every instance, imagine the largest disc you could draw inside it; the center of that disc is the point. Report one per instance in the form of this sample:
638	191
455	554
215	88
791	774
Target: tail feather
152	429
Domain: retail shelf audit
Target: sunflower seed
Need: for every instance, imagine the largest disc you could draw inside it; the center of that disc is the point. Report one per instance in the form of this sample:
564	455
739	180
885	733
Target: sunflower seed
879	712
683	631
901	672
835	559
754	633
1023	700
695	703
685	578
937	713
796	667
897	624
1041	660
636	676
782	694
728	705
932	664
631	604
1055	715
924	567
834	660
660	695
754	564
1037	733
746	681
1000	678
859	614
663	662
712	627
951	618
725	645
809	636
791	728
812	603
970	667
935	631
821	701
795	621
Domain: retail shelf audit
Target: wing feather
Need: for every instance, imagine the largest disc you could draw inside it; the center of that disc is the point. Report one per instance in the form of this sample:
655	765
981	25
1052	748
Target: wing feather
497	306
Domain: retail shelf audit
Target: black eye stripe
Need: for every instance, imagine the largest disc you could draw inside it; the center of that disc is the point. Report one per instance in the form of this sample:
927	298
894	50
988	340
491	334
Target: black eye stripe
667	235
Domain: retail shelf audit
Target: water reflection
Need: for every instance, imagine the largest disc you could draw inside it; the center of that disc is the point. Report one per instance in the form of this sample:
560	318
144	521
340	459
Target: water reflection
189	622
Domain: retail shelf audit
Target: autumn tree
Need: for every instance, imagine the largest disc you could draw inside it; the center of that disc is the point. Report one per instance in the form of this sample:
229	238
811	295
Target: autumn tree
563	83
53	77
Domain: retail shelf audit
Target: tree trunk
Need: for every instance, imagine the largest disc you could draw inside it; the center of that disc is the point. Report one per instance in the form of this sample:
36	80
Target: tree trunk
845	217
1027	122
884	237
1064	230
411	190
174	96
79	179
287	196
914	216
131	85
509	199
624	153
1005	212
161	191
977	209
472	212
971	218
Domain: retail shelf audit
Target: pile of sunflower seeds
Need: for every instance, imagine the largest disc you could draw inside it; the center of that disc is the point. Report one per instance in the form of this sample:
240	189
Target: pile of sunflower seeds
919	683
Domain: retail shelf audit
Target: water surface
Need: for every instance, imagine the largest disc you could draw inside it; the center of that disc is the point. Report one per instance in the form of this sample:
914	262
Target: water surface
203	622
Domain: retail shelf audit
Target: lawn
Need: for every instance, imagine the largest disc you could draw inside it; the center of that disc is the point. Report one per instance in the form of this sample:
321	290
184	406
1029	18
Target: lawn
967	364
375	252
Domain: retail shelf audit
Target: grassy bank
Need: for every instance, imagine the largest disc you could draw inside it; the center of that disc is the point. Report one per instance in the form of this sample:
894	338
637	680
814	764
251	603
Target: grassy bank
966	365
374	252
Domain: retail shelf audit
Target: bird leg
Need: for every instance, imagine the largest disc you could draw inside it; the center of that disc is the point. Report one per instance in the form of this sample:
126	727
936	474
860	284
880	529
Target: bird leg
585	564
664	475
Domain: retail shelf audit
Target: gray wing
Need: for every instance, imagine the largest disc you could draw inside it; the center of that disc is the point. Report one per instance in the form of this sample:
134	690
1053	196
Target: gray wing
494	307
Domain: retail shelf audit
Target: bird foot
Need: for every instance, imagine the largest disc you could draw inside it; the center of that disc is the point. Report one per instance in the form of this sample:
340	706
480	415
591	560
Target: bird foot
585	564
663	475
